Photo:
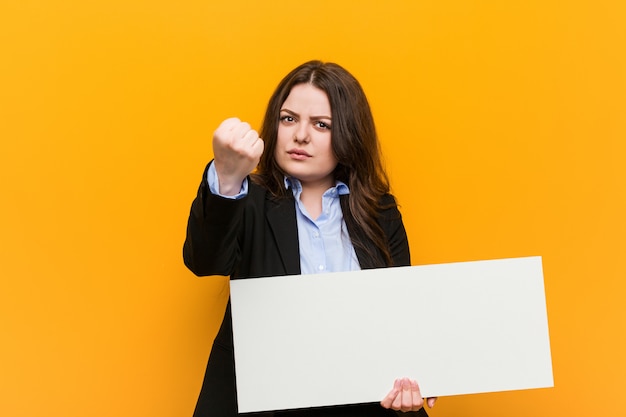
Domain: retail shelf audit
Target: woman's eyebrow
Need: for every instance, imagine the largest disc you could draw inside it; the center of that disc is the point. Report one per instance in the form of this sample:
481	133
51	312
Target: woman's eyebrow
293	113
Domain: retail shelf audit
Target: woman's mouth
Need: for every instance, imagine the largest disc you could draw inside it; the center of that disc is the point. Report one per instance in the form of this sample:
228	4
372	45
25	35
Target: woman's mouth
298	154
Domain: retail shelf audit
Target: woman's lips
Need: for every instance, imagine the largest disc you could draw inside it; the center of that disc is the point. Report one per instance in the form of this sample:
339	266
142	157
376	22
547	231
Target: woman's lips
298	154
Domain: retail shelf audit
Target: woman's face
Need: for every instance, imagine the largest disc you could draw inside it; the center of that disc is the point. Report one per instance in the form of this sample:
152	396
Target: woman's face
303	146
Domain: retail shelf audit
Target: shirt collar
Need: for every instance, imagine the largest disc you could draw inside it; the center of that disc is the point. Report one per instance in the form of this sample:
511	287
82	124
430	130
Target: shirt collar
296	186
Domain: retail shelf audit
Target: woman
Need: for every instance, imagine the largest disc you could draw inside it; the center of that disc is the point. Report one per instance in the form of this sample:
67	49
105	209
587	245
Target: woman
311	196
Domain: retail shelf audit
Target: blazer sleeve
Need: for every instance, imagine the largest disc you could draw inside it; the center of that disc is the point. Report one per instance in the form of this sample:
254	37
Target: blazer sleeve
213	232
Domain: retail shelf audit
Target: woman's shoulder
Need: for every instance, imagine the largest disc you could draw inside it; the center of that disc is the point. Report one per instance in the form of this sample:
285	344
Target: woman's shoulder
388	199
388	207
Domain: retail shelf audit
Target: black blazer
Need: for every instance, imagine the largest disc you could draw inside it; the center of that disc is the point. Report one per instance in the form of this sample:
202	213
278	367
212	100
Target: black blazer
257	236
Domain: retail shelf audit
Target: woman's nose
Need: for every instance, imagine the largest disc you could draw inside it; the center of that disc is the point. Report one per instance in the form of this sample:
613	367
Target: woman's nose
301	134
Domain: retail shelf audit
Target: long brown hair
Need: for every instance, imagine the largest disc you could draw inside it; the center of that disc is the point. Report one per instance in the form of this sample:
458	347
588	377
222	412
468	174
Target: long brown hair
354	143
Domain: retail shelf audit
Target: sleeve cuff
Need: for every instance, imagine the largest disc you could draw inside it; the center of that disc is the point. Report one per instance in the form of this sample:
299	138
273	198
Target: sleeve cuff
213	183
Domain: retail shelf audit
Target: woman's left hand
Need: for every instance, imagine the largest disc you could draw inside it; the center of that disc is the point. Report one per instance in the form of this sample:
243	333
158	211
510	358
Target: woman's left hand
405	396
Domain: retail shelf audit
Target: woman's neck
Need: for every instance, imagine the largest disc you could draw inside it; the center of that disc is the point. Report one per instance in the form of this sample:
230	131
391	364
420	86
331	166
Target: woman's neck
311	197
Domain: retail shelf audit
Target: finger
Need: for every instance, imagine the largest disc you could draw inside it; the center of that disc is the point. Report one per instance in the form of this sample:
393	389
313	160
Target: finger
251	136
416	395
240	130
431	401
223	132
244	144
407	396
250	145
229	123
226	126
257	149
397	401
388	401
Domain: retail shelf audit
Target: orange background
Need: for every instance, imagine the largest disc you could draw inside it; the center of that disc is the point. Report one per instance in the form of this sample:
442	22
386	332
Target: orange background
503	125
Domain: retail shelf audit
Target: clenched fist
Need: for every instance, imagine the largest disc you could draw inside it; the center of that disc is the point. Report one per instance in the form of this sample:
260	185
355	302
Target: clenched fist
405	396
237	149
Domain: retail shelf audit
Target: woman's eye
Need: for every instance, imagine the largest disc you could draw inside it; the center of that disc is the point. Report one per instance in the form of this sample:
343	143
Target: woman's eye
288	119
322	125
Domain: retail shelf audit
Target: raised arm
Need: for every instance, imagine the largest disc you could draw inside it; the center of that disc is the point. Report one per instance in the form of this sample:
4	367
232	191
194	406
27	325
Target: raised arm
211	245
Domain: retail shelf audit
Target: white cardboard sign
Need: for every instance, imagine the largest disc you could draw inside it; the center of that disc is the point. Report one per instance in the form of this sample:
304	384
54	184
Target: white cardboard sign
343	338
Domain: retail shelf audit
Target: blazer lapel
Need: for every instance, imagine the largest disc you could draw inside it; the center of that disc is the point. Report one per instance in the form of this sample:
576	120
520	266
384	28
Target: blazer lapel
281	216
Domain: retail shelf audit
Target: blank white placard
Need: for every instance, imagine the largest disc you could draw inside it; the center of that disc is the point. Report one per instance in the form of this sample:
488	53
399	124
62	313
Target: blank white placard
343	338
